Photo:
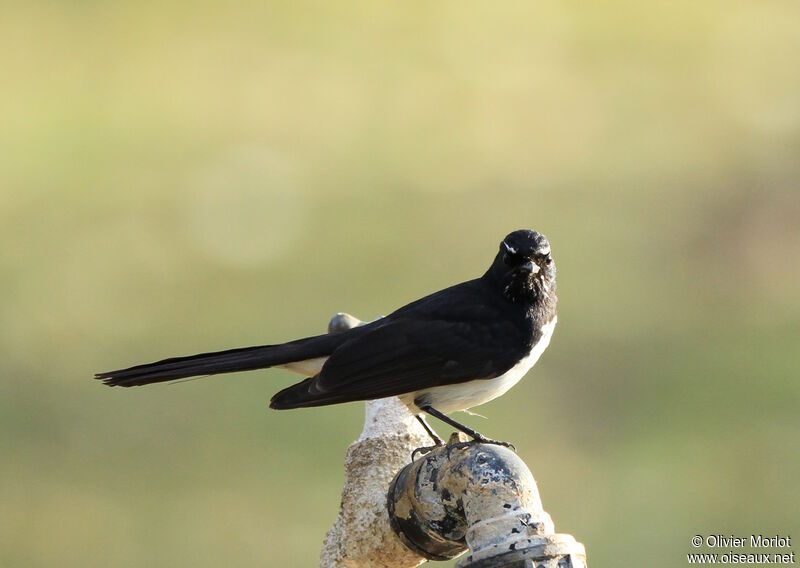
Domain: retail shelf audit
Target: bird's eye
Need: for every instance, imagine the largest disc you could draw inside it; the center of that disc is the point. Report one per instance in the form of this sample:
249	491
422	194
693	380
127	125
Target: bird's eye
513	258
549	259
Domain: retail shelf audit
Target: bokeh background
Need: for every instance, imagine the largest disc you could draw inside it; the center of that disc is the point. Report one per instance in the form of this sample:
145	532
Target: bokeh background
186	176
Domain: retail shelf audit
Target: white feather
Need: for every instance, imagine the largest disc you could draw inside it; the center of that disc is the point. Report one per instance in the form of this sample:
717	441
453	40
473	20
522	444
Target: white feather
449	398
308	368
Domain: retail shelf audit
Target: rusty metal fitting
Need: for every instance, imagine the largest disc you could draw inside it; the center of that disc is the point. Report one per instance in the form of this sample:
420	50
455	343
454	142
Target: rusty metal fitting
481	497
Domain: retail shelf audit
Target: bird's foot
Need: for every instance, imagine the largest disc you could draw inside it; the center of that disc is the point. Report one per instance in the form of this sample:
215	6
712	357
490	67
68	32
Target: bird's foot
426	449
479	439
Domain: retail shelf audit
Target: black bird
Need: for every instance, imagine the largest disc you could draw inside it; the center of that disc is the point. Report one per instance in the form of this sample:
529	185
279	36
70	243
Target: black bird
452	350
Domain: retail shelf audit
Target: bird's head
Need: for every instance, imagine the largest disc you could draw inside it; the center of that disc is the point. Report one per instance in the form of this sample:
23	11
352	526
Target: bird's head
524	267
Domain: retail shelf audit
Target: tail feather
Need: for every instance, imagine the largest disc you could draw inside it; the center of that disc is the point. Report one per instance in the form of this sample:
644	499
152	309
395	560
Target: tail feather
305	395
232	360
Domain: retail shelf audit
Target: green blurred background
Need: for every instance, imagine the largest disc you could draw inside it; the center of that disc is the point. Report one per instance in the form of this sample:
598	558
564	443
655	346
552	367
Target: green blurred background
187	176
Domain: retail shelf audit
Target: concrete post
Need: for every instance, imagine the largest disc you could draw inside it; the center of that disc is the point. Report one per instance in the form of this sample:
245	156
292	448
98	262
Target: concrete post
362	535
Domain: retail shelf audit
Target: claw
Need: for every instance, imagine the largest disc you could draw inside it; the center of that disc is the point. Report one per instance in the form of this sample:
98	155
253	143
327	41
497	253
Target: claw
479	440
424	450
508	445
462	445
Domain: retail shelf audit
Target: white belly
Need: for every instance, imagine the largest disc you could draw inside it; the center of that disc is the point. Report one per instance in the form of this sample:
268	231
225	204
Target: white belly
450	398
307	368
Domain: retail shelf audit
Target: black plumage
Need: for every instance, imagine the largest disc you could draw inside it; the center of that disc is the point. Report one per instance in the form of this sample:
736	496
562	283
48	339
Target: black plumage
474	331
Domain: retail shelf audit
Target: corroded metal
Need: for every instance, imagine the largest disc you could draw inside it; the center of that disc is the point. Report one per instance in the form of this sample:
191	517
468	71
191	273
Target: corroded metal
481	497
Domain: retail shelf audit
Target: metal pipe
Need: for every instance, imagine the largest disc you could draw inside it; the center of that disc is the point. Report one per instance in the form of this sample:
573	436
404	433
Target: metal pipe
481	497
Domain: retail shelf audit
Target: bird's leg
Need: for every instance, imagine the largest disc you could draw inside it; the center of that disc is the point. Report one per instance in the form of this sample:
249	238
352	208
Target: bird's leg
477	437
437	441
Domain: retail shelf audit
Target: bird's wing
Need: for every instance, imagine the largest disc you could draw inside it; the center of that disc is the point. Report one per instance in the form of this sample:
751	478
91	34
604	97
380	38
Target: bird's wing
409	354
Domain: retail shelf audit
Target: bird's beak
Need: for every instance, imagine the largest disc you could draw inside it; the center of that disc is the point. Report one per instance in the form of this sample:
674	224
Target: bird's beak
530	267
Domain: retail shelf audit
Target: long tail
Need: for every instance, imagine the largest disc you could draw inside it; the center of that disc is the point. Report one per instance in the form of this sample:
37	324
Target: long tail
232	360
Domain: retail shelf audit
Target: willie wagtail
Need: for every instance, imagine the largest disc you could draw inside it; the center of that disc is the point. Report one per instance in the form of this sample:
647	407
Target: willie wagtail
452	350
